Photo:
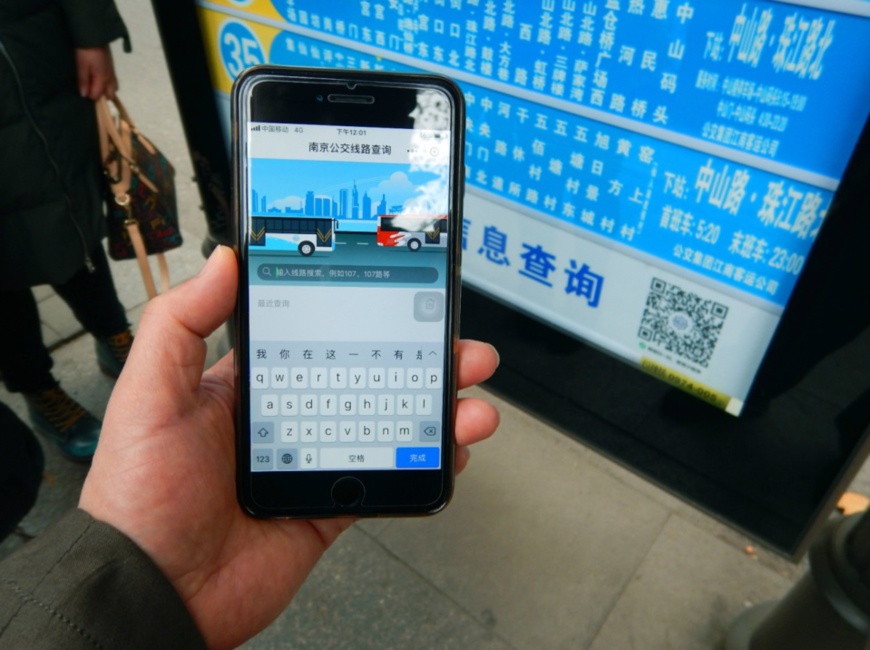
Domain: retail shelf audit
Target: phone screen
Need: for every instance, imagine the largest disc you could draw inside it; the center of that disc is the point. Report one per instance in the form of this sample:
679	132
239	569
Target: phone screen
350	252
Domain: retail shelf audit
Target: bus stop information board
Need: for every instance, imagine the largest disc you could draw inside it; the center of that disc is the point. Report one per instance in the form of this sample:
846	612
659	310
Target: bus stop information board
648	176
639	171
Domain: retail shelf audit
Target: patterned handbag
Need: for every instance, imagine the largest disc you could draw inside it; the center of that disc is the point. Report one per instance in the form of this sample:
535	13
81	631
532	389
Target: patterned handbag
141	204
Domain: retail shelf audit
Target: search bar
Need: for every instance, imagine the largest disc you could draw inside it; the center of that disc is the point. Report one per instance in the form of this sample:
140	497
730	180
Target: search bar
347	273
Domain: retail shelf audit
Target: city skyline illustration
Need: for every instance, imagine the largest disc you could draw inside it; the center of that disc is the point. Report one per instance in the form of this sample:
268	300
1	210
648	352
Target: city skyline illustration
328	189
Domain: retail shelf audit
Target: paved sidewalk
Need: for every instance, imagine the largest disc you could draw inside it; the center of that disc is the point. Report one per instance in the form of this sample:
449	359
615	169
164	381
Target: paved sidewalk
547	544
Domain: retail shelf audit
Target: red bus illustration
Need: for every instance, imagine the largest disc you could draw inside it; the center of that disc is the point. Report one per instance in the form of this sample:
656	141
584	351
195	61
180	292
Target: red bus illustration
412	230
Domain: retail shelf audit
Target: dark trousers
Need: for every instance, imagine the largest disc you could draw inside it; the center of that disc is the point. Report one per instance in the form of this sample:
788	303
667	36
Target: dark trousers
25	363
21	465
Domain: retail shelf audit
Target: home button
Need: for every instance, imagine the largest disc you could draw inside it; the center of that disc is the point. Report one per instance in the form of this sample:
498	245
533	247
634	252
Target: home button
347	492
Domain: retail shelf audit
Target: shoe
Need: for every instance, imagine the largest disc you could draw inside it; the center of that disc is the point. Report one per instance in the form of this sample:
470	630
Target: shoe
112	353
65	422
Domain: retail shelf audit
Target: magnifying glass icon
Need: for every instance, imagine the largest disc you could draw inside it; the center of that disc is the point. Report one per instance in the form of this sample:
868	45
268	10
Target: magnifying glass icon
266	270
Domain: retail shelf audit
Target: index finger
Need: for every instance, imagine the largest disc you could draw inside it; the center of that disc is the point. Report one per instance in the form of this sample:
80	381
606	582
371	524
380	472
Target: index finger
477	362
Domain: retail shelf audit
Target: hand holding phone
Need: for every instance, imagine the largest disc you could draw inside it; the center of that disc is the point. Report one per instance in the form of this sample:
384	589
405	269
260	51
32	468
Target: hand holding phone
349	189
163	474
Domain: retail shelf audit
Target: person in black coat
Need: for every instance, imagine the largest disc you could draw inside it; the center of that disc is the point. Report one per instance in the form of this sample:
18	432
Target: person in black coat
54	61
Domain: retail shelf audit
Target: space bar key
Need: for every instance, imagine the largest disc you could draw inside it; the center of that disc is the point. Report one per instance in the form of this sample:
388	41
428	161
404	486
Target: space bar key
358	458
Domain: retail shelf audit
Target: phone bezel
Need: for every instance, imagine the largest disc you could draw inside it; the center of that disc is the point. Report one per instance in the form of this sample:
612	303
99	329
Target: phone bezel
307	494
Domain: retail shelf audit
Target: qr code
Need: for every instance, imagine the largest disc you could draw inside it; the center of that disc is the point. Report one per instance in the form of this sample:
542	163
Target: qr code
681	322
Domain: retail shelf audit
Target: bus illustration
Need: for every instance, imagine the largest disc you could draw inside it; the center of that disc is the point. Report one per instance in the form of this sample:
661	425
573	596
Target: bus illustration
412	230
304	234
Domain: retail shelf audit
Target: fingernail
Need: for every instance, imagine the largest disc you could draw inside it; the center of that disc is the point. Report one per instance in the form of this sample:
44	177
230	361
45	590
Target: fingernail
497	355
211	256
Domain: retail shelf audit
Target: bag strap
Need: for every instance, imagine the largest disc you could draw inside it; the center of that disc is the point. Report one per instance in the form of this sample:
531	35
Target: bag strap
142	257
119	181
103	129
145	267
119	133
125	117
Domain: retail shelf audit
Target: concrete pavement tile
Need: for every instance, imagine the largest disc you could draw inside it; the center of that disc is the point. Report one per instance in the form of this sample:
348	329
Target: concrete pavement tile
42	292
538	543
687	592
54	313
11	544
375	527
861	482
727	534
75	367
361	596
50	336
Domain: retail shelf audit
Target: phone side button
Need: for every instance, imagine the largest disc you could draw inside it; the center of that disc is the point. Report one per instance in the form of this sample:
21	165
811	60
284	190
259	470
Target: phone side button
347	492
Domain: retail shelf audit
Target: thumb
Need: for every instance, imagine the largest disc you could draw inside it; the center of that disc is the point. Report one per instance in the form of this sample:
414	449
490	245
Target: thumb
83	75
203	303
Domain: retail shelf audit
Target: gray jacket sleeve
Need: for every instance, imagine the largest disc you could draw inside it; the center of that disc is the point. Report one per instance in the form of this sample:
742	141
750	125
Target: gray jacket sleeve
83	584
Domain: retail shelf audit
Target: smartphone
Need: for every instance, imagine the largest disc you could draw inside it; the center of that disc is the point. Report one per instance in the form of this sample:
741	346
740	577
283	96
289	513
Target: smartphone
349	192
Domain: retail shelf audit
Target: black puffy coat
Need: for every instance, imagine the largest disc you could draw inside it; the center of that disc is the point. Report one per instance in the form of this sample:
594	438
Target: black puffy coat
51	211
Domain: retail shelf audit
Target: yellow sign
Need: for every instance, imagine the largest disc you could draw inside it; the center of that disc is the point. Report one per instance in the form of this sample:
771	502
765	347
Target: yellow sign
262	8
233	44
686	383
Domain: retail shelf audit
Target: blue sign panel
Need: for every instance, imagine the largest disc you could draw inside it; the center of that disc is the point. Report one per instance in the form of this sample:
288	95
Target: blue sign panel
650	175
750	76
737	224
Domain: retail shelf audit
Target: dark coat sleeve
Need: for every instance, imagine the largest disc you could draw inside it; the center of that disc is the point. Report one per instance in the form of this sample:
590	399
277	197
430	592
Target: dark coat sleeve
82	584
94	23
